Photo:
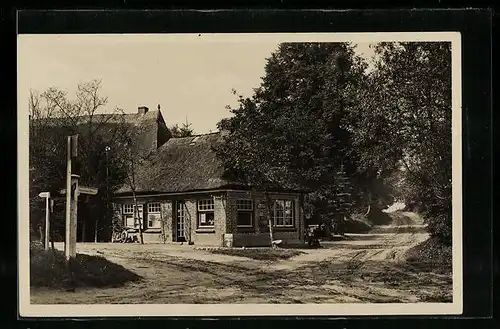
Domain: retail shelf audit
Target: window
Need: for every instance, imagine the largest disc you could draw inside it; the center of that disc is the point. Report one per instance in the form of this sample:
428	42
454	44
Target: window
154	218
128	215
206	215
128	209
282	213
154	207
245	213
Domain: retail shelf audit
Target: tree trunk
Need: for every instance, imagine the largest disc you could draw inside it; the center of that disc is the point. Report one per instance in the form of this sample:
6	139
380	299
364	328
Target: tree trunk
136	217
269	218
83	230
369	203
95	232
52	236
163	235
40	230
368	210
187	228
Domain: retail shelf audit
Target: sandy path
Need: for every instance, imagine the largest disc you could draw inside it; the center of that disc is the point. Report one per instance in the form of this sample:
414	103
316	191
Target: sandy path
379	247
373	247
363	268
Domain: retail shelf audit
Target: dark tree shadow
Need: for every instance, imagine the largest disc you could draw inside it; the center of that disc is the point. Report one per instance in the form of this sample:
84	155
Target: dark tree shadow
48	269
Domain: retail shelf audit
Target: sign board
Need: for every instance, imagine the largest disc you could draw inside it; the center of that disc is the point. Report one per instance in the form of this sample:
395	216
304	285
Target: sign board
83	190
74	146
87	190
44	195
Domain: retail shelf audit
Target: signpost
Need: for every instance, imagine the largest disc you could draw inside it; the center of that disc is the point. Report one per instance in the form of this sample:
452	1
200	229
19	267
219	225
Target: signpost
76	190
72	192
67	240
46	195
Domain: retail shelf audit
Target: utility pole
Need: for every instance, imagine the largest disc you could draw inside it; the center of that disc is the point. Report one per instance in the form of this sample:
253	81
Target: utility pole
72	191
68	199
106	150
71	199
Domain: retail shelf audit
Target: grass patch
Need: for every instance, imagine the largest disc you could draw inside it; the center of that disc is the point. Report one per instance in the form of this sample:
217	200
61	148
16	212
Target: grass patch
431	251
48	269
260	253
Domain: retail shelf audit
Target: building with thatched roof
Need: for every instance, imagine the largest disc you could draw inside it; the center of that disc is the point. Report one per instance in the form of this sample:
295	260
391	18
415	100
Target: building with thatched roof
182	196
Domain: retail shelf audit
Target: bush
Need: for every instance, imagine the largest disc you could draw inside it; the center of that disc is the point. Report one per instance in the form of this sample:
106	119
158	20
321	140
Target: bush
440	227
431	251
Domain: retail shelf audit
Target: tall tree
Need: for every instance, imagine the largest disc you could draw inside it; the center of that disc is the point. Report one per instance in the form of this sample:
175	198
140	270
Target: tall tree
133	154
52	117
293	132
183	130
404	119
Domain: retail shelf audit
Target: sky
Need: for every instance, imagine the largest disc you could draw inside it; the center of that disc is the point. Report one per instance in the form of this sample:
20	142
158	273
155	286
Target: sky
190	76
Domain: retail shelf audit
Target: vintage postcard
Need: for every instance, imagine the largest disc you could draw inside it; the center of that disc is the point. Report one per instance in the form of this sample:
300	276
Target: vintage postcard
300	174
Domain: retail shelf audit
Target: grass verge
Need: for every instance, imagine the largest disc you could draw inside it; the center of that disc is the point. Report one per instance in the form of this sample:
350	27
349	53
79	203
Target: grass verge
260	253
430	251
48	269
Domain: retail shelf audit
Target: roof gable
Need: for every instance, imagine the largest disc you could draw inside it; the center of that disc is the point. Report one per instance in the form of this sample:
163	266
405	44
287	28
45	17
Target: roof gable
153	129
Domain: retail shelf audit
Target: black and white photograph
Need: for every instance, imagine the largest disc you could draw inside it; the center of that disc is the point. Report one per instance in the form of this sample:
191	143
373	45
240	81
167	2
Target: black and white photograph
239	174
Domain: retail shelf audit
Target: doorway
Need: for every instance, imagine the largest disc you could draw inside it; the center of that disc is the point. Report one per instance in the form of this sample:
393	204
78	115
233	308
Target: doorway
180	221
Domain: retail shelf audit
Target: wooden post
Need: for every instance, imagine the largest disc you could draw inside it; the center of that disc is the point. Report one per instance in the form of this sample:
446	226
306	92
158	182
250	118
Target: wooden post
45	237
73	216
47	223
51	231
68	200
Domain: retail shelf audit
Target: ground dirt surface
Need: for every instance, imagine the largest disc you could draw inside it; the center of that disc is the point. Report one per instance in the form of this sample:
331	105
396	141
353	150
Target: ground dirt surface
362	268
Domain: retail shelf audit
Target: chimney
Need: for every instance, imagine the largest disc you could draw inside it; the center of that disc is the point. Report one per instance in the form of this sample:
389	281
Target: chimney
142	110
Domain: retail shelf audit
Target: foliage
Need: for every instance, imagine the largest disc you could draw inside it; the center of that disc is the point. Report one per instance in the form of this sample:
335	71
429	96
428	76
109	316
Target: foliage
133	154
317	108
404	119
53	117
183	130
430	251
294	131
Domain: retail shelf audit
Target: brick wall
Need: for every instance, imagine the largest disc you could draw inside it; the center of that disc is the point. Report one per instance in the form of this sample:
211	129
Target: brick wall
209	236
258	235
152	237
225	213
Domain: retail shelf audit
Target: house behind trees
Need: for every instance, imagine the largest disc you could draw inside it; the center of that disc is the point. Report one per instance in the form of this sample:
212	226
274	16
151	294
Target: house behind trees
183	197
182	194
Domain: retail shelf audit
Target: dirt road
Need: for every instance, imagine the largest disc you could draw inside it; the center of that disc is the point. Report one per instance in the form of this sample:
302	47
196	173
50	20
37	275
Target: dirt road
361	268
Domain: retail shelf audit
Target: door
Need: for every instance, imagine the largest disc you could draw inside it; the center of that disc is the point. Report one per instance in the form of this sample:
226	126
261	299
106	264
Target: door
180	235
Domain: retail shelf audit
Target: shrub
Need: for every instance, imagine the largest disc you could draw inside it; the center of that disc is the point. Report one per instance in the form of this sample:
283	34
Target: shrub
431	251
440	226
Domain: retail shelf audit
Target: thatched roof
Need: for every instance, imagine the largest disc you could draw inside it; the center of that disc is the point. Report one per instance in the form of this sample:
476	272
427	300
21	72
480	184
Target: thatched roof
182	165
